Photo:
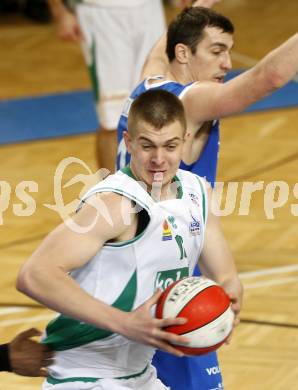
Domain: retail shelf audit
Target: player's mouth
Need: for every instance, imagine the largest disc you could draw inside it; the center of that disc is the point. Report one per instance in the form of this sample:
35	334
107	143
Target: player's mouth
219	79
157	175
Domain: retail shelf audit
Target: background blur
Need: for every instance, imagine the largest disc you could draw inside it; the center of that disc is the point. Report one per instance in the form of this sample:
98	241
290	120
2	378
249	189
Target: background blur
46	115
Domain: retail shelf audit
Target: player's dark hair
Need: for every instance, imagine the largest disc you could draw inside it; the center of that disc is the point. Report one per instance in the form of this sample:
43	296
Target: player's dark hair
188	28
156	107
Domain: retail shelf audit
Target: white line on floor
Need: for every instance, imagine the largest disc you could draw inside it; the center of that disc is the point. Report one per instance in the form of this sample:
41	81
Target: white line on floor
44	317
272	126
269	271
12	309
267	283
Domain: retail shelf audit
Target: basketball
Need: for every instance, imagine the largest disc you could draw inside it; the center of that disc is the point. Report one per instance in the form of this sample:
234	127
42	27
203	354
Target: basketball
206	306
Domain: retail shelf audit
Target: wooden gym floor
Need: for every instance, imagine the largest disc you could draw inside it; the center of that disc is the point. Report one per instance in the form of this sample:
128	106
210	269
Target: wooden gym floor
256	147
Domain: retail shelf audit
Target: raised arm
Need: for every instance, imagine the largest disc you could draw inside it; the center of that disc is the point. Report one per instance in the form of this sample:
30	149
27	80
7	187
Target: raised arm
207	101
217	262
157	61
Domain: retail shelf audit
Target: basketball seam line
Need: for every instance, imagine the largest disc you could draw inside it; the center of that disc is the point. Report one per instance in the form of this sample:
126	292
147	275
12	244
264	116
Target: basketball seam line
204	324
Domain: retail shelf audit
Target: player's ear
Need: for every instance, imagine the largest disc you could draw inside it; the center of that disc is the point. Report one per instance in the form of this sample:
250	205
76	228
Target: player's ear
181	53
127	140
186	136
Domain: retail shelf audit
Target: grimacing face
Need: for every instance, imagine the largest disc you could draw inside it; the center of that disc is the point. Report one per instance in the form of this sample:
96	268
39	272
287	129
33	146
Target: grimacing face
155	153
212	59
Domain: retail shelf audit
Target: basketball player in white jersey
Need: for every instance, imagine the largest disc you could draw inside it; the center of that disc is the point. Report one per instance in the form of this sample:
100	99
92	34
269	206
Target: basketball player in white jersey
132	234
116	37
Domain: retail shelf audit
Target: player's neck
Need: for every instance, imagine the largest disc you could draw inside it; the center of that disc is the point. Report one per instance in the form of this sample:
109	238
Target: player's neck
179	73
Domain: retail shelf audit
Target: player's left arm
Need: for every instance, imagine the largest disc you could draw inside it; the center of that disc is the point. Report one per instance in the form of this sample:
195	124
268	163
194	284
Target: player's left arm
217	262
210	100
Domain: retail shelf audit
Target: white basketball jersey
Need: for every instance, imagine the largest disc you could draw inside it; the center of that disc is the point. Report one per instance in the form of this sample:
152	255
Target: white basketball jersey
126	274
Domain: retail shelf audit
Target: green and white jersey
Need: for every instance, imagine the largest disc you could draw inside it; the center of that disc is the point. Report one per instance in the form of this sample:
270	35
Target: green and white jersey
126	274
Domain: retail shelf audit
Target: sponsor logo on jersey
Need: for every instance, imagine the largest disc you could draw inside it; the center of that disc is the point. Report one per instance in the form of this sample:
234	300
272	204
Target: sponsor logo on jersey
194	198
179	241
166	233
172	221
165	278
213	370
194	226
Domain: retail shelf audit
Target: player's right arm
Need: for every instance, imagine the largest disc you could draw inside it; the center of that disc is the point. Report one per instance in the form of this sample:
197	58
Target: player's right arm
67	24
45	276
209	100
157	62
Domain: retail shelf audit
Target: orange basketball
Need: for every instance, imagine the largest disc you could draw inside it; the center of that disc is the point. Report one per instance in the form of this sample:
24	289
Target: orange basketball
206	306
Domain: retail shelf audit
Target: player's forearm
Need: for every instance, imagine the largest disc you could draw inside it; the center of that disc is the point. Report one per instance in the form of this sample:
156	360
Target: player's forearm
57	8
272	72
56	289
221	268
281	64
217	261
219	265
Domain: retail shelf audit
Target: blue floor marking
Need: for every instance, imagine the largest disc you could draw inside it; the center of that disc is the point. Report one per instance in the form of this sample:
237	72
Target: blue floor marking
73	113
47	117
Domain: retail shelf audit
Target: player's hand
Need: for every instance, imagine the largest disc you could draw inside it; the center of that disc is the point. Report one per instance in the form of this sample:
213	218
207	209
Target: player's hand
28	357
234	289
142	327
68	27
205	3
197	3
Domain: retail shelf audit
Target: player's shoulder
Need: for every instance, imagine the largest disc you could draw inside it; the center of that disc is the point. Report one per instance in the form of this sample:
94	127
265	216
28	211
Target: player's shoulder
190	179
110	200
198	88
121	184
162	82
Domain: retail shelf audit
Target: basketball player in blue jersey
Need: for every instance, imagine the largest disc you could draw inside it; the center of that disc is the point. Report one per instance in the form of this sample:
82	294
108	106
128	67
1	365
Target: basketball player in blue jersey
198	46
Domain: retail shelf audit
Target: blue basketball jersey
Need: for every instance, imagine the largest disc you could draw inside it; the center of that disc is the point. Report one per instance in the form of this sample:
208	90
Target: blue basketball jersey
205	166
187	373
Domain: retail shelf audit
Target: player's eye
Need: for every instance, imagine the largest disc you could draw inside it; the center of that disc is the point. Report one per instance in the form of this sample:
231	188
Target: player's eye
171	147
146	146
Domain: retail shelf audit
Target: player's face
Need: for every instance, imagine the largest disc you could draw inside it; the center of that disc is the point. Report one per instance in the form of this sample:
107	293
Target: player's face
212	59
156	153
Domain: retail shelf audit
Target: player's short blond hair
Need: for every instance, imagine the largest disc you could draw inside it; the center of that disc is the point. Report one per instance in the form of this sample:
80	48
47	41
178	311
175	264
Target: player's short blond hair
156	107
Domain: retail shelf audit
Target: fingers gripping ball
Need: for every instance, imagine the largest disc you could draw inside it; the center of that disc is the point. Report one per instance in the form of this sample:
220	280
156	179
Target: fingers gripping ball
206	306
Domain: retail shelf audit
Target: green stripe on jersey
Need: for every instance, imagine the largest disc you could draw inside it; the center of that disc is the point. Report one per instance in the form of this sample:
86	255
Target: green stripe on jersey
93	73
54	381
203	198
65	333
